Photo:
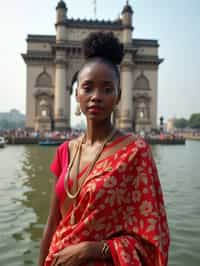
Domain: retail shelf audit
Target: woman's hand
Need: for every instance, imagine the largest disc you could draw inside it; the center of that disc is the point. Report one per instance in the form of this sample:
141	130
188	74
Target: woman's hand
79	254
73	255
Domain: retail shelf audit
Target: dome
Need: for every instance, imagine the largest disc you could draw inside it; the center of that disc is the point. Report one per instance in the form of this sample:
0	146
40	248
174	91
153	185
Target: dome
61	4
127	9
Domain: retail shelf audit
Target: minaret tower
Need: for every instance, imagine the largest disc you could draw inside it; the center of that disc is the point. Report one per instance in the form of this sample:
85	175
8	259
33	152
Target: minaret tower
126	109
61	16
127	14
61	99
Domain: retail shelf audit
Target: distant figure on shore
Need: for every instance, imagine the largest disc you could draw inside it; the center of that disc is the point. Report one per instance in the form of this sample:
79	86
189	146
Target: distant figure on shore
107	206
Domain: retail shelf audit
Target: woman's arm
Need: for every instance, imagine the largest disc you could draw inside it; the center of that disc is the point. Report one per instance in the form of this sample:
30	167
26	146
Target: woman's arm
97	250
51	225
79	254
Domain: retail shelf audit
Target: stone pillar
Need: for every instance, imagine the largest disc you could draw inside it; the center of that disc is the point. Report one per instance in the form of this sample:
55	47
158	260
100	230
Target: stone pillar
60	91
126	104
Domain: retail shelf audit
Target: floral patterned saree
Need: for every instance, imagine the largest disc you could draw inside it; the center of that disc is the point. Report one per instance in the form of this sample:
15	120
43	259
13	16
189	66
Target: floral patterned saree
121	203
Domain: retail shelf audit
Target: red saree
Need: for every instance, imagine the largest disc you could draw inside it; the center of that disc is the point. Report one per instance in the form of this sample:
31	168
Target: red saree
122	204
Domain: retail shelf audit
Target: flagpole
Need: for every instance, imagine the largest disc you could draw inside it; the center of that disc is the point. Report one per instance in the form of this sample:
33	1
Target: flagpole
95	8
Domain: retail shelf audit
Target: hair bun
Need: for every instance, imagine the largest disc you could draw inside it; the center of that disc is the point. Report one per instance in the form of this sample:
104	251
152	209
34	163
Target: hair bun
103	45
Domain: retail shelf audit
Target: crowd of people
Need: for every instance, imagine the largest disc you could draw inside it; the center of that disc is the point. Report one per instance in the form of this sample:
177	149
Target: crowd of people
71	133
24	133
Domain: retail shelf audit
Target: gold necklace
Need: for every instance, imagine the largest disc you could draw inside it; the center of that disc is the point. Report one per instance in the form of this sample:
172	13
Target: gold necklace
78	151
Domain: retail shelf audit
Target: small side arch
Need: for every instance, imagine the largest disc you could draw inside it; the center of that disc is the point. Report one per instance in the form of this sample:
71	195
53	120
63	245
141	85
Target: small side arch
44	80
142	83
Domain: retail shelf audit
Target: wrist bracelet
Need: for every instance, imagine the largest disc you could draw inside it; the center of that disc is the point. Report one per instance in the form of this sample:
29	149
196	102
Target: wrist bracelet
105	251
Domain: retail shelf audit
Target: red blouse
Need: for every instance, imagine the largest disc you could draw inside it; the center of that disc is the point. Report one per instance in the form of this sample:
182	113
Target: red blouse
60	164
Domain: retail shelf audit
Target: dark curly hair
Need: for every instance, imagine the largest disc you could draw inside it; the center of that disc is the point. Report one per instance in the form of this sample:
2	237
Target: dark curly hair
103	45
105	48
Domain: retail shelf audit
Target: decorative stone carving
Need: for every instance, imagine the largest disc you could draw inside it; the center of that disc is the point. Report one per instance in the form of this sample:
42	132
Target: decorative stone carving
142	83
39	91
44	80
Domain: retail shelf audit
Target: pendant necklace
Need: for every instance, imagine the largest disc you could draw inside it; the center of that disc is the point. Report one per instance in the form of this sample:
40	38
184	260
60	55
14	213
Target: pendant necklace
77	154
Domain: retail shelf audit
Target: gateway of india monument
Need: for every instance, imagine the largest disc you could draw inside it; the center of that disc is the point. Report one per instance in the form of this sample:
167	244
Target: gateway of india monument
53	60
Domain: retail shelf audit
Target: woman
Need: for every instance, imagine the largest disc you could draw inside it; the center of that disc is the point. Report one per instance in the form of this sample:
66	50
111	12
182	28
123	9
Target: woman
107	208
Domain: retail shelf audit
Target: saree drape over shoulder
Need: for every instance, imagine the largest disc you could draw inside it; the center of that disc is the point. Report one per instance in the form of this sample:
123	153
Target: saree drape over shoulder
121	203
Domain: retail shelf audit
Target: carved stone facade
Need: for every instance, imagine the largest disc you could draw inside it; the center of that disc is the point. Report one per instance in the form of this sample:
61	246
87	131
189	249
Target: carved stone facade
52	62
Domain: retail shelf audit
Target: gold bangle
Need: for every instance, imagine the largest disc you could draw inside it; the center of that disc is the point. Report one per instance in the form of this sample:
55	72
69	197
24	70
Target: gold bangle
105	251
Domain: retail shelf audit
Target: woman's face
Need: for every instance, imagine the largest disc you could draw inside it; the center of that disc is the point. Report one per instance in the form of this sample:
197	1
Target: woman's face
97	91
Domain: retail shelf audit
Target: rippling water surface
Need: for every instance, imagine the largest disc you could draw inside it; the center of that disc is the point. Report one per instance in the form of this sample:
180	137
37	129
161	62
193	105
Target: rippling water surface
26	184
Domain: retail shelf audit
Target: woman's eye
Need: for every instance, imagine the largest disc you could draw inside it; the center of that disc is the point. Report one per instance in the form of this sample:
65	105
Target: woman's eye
87	89
108	89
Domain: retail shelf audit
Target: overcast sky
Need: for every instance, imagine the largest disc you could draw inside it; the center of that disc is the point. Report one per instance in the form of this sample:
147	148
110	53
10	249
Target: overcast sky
174	23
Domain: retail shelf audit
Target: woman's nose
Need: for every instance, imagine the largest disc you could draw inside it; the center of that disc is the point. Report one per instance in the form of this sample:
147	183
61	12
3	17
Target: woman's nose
96	95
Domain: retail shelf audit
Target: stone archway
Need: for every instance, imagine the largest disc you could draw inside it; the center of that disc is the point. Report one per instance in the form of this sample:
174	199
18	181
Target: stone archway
142	115
43	95
44	112
141	104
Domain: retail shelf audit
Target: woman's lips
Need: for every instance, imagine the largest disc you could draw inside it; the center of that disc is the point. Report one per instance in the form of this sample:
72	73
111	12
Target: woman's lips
95	109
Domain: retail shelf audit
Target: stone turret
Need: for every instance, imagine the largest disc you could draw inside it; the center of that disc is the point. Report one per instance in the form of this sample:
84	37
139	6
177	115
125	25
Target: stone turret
61	16
61	12
127	14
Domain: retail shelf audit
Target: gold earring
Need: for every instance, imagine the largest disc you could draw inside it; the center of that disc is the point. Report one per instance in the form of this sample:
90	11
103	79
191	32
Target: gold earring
78	110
